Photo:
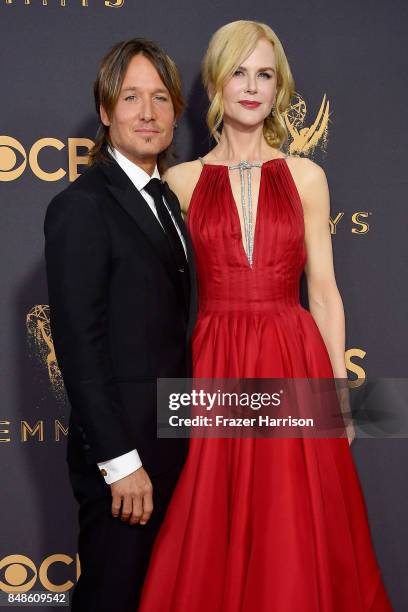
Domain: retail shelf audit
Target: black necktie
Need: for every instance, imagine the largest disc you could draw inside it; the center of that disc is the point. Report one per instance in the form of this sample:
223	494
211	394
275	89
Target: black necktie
154	188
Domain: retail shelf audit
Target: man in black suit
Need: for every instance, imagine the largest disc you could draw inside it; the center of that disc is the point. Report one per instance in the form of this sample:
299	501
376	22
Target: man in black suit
122	301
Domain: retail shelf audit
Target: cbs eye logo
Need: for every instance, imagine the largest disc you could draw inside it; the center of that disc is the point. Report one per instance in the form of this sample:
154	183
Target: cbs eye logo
19	573
14	158
9	170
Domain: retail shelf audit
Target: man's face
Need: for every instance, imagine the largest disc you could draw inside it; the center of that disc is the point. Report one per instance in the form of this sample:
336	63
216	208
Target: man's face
142	122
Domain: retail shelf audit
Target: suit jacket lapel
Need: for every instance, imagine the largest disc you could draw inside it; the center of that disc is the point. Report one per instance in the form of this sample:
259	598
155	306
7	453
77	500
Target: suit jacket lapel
129	198
174	205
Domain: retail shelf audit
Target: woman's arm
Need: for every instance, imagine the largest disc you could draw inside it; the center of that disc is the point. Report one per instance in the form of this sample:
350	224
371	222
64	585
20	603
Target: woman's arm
325	302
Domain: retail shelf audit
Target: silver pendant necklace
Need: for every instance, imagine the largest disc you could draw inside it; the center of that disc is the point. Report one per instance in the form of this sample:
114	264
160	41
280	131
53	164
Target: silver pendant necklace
247	209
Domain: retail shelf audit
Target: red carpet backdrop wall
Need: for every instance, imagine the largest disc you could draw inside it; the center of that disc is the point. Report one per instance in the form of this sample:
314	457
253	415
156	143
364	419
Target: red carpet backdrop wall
349	60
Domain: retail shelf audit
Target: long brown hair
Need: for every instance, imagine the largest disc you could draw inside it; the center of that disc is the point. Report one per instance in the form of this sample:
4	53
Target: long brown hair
109	82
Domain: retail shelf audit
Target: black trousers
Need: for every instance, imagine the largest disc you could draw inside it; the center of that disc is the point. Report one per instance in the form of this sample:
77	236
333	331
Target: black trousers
114	555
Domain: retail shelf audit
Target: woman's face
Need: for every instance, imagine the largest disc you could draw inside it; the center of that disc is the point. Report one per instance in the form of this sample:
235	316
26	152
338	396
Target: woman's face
250	94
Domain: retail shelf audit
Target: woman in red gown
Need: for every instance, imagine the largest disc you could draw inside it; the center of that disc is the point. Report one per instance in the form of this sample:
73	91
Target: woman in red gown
255	524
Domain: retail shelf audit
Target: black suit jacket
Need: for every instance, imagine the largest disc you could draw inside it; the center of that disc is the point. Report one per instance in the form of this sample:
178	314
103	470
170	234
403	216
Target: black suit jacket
121	315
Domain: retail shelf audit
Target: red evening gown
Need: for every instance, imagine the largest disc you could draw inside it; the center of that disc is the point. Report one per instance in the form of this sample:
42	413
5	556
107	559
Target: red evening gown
260	525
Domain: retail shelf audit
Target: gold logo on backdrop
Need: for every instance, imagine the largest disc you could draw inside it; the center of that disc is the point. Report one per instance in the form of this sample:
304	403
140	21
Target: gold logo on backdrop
359	220
306	138
39	331
355	368
8	159
84	3
5	431
12	165
17	579
39	432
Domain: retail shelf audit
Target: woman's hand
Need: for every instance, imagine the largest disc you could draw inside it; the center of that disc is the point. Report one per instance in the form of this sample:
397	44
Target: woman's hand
343	394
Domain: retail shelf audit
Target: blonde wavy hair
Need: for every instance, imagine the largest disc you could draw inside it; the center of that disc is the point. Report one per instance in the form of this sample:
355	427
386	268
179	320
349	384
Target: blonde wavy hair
228	48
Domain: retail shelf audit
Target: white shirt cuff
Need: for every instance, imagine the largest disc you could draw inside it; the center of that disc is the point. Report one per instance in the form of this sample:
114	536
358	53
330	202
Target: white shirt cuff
119	467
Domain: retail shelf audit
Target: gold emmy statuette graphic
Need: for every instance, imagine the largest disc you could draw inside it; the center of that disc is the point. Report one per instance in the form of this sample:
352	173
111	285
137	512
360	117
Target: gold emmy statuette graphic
39	331
306	139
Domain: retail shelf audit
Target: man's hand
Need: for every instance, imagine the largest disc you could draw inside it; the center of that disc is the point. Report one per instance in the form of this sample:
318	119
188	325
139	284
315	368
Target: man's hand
134	493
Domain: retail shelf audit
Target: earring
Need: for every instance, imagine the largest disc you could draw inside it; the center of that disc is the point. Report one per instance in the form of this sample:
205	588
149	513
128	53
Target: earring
175	125
272	113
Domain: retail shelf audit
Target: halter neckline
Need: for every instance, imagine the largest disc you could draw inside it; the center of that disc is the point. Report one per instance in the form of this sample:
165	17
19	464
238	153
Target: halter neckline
204	163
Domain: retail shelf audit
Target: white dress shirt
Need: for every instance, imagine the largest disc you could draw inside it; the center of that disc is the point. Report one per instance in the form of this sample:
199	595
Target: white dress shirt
122	466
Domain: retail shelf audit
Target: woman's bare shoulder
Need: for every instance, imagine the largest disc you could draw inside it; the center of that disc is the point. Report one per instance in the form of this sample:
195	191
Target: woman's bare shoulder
182	179
181	171
306	169
308	177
